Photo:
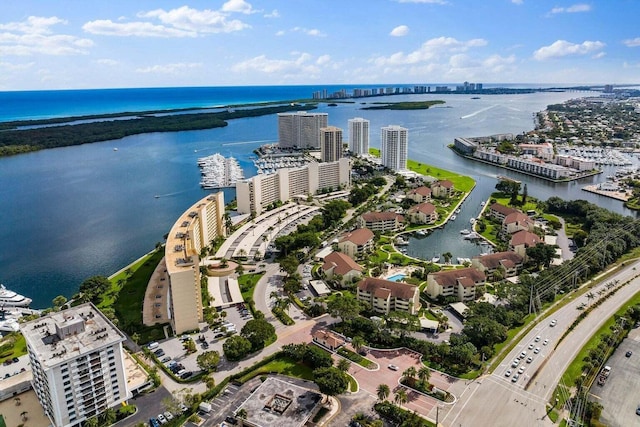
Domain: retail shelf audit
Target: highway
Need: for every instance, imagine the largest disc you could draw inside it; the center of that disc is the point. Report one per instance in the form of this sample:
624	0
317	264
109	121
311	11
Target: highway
497	400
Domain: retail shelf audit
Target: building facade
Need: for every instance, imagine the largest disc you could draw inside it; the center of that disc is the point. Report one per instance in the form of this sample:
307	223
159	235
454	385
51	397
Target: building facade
385	296
459	283
301	129
194	230
256	193
357	243
359	136
331	144
380	221
394	146
77	363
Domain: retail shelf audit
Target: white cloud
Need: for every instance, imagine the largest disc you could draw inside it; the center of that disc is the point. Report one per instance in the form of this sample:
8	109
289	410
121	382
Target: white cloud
323	60
106	27
400	31
599	55
108	62
273	14
632	42
314	32
430	50
576	8
35	36
423	1
16	67
202	21
169	68
280	33
301	64
561	48
238	6
517	1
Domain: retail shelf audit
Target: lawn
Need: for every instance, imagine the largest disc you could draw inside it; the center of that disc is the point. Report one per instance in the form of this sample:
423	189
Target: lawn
355	357
284	366
503	199
13	345
248	283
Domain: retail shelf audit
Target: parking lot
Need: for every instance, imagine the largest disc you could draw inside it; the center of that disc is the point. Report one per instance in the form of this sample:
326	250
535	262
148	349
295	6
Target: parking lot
173	352
619	395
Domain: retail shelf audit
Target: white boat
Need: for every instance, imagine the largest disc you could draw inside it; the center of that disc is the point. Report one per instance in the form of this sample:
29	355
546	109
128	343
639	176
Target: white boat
435	259
472	220
9	325
453	217
465	231
481	203
12	299
421	233
458	210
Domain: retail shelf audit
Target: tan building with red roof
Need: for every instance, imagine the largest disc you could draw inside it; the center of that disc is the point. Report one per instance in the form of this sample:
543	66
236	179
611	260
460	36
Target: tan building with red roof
328	339
384	296
424	213
339	263
442	189
461	283
521	240
381	221
420	194
500	212
357	243
517	221
510	262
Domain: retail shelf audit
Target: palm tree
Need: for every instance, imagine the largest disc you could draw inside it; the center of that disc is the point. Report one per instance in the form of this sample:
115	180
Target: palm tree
17	401
91	422
23	415
343	365
284	304
274	295
383	392
109	416
424	374
242	414
410	372
400	397
357	343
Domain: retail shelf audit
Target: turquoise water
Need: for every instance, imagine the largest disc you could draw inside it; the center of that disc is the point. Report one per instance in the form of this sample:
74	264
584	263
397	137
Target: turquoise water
396	277
70	213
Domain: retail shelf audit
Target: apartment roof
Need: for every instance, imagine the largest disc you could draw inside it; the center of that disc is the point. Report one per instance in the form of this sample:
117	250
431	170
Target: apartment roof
466	282
397	289
329	337
502	209
444	183
425	208
492	261
452	277
381	216
382	293
341	263
423	191
359	236
517	217
524	237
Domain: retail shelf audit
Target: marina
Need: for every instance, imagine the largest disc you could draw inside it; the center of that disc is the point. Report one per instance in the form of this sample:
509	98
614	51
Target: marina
219	172
10	298
270	164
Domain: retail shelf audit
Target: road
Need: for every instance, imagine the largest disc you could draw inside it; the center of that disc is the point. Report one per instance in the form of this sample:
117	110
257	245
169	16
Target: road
497	401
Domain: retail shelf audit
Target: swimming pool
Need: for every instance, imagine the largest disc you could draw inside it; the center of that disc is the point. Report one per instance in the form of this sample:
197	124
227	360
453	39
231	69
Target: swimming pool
397	277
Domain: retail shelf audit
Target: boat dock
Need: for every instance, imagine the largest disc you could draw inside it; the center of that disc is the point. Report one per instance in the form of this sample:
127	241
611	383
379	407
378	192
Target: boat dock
219	172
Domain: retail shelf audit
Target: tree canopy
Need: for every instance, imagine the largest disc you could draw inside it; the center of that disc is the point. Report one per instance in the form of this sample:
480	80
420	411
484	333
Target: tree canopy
257	331
331	381
236	347
208	361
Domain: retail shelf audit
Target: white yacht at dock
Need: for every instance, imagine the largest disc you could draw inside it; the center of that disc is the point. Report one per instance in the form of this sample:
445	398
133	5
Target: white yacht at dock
218	171
9	298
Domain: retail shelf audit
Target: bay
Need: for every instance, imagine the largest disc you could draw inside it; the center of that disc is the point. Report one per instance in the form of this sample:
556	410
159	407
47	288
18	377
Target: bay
70	213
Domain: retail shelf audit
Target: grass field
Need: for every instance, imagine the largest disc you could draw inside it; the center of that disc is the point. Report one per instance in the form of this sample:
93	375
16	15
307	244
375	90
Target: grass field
247	283
284	366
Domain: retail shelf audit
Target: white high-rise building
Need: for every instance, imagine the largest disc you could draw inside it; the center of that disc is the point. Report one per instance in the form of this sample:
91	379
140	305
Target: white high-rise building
359	136
301	129
395	140
331	144
77	363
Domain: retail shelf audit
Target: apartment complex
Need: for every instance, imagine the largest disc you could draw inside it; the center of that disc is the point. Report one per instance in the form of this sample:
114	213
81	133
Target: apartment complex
194	230
393	148
331	144
359	136
357	243
301	129
385	296
256	193
459	283
380	221
77	363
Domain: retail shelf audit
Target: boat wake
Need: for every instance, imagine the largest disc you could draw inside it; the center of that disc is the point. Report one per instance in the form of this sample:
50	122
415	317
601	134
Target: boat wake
247	142
157	196
479	111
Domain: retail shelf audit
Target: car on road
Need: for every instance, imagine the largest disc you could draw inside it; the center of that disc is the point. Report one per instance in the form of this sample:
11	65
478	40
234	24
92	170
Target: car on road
393	367
521	370
531	346
536	350
537	338
523	355
628	353
529	359
515	363
162	419
638	410
508	373
515	378
553	323
546	342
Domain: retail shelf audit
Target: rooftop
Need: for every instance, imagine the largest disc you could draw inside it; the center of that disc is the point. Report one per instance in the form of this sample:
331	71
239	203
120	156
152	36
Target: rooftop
64	335
359	236
396	289
341	263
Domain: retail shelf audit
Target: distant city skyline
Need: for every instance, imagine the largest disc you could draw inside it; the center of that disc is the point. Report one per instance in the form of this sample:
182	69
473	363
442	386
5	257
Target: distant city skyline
115	44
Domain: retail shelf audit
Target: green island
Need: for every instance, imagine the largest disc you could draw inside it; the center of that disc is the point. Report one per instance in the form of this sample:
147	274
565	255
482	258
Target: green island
417	105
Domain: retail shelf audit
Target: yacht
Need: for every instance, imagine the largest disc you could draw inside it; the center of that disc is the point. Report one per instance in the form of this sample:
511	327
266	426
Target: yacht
472	220
12	299
421	233
453	217
435	259
465	231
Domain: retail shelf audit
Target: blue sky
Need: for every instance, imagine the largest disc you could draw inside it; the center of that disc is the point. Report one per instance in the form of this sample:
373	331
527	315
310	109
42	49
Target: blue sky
69	44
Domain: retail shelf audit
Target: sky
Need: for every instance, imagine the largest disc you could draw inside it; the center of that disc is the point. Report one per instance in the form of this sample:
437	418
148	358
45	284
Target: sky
78	44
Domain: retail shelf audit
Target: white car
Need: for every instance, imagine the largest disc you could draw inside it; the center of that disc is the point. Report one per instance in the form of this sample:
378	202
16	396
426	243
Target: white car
508	373
537	338
523	355
537	350
515	378
162	419
545	342
529	359
393	367
515	363
531	346
553	323
521	370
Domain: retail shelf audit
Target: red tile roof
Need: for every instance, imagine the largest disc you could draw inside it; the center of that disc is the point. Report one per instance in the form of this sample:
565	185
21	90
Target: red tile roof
423	191
444	183
502	209
328	337
524	237
341	263
517	217
452	277
425	208
492	261
397	289
381	216
359	236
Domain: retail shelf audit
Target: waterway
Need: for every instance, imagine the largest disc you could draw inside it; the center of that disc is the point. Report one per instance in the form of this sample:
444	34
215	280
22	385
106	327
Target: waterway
70	213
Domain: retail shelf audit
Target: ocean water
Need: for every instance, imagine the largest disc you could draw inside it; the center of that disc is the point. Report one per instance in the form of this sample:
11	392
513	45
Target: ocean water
73	212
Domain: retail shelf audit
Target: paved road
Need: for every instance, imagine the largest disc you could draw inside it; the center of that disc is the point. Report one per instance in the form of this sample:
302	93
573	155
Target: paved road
497	401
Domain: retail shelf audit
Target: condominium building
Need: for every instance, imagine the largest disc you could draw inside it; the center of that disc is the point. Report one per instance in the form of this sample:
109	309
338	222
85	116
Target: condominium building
301	129
394	145
194	230
256	193
359	136
330	144
460	283
77	363
384	296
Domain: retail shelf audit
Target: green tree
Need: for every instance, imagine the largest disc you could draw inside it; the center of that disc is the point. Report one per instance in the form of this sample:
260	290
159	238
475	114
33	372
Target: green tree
236	347
346	307
343	365
92	422
315	357
93	287
424	374
357	343
383	392
331	381
109	416
257	331
208	361
242	414
289	265
410	372
58	302
400	397
189	346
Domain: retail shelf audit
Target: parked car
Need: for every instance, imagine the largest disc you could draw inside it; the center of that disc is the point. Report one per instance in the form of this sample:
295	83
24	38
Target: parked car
545	342
168	415
628	354
536	350
393	367
515	378
153	422
508	373
162	419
